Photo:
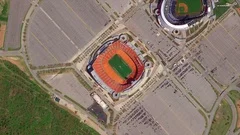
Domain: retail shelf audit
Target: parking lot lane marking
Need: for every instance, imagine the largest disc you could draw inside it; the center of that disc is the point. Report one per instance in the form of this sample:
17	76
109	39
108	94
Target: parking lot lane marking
87	26
45	48
219	52
59	28
176	116
229	33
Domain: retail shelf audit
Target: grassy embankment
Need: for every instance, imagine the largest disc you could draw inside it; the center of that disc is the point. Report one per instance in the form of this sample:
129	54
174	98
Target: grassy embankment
222	120
220	10
26	109
235	97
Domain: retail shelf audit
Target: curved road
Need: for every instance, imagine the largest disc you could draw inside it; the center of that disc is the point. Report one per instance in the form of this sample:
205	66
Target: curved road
212	113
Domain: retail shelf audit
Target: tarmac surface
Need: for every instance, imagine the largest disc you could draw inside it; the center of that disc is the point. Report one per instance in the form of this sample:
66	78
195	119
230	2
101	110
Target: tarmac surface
119	7
150	34
200	89
169	99
68	84
17	12
59	30
172	109
219	50
168	107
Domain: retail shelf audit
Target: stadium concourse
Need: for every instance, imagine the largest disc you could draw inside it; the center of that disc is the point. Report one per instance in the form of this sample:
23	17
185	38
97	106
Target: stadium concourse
116	66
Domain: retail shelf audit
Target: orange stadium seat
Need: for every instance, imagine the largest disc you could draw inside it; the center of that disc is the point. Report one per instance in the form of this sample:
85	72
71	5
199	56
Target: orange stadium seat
108	75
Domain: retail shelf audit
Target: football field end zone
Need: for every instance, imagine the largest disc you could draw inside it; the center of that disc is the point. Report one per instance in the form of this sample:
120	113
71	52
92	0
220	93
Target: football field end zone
120	66
190	7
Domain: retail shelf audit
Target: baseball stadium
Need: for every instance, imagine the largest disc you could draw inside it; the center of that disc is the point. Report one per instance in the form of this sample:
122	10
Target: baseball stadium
116	66
179	14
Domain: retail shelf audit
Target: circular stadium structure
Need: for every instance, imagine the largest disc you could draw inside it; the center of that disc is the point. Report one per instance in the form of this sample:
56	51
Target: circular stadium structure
180	14
117	65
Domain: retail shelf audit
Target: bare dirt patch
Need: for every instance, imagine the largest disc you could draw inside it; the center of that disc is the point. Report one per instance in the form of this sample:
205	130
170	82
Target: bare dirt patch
19	63
2	34
184	6
238	10
238	111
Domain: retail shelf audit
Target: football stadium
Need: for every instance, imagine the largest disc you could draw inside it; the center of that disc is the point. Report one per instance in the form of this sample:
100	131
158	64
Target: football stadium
180	14
117	65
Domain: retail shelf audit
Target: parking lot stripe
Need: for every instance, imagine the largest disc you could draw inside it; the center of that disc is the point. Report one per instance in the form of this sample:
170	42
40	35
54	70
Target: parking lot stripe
87	26
229	33
164	102
59	28
45	48
219	52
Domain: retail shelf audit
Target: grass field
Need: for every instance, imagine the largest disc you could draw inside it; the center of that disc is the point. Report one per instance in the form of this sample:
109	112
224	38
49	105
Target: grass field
120	66
26	109
191	7
220	10
222	120
235	97
4	10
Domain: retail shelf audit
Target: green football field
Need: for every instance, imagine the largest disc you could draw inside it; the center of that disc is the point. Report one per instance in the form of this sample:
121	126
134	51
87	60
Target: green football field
193	7
120	66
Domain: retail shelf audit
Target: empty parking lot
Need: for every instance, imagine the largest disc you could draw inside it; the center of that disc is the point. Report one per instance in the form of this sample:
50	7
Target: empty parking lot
164	111
68	84
200	88
62	29
17	12
219	50
119	6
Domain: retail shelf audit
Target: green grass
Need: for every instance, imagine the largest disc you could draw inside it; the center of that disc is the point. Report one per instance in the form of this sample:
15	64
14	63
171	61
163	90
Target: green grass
120	66
224	2
26	109
194	6
4	6
234	95
222	120
219	11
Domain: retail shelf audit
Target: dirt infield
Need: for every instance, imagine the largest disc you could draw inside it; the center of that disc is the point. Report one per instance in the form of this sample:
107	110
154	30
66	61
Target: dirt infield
2	34
182	6
189	7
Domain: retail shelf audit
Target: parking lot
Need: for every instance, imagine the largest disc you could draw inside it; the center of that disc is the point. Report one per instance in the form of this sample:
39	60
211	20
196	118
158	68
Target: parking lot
68	85
219	50
17	12
62	29
195	84
137	121
119	6
173	110
200	89
166	111
147	31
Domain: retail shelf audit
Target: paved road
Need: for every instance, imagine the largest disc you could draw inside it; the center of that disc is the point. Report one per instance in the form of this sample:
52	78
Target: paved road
238	1
34	72
10	53
16	14
212	113
234	111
